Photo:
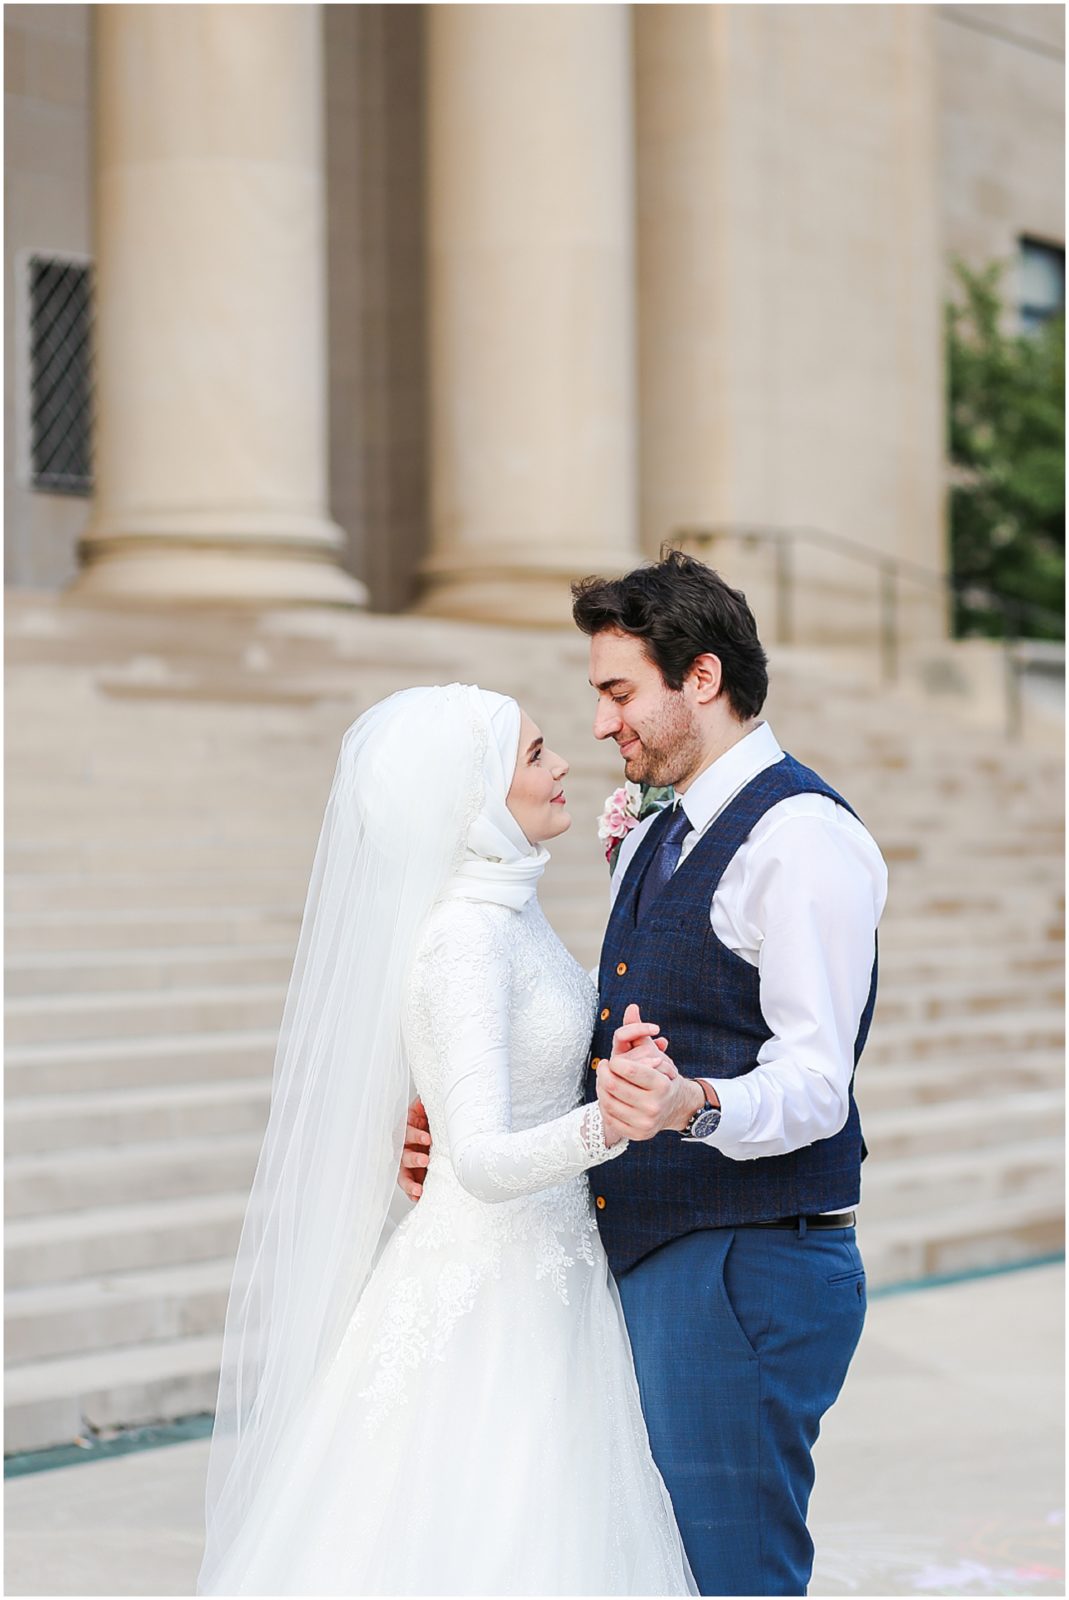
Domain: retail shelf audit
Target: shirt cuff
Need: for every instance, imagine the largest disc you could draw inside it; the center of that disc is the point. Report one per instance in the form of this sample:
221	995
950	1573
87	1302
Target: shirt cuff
736	1111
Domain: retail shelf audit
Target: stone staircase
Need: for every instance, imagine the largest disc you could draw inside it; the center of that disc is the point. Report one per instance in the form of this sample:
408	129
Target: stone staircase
166	779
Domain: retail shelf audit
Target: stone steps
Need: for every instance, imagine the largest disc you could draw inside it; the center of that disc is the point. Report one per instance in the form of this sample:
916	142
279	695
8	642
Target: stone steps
117	857
940	889
917	1086
1003	1034
992	1039
1030	1170
1011	931
39	805
967	1238
118	1113
71	973
69	1396
129	1063
136	1013
121	1117
271	888
113	928
104	1175
125	1308
928	938
936	896
87	970
904	1018
905	963
66	1246
949	1126
920	999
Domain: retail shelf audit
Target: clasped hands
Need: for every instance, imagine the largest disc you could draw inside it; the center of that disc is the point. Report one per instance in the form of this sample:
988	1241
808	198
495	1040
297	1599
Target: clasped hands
640	1092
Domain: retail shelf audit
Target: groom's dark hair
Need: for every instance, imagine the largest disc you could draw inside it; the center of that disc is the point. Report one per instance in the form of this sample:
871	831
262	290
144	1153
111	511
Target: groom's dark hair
681	609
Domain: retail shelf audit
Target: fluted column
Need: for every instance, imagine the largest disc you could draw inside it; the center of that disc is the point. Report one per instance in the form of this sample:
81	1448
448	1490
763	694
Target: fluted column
531	289
211	441
790	274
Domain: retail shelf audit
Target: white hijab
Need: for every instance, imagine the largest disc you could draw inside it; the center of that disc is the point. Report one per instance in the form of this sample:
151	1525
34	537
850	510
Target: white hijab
500	863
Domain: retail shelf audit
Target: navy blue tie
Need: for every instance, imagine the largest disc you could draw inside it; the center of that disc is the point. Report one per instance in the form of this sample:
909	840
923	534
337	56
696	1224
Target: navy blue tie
665	860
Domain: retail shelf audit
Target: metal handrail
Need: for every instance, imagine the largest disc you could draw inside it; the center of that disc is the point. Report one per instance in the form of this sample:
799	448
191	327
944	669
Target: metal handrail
893	571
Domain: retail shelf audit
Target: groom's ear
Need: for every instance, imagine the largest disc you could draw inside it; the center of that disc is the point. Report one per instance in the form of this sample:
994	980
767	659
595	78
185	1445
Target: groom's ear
707	676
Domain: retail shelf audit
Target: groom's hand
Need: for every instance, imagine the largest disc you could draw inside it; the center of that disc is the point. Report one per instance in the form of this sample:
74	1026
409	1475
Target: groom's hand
639	1088
416	1153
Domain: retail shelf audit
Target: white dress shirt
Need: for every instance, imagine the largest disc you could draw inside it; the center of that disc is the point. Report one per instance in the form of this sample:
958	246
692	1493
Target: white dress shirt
800	900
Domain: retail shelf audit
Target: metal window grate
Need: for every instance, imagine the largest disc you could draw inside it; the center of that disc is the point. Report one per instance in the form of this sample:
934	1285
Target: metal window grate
61	375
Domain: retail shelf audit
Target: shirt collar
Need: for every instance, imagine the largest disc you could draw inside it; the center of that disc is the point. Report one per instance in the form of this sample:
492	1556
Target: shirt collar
720	783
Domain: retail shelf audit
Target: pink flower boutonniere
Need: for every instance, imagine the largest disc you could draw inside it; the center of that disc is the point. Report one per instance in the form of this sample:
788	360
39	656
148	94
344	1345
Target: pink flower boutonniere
625	808
618	818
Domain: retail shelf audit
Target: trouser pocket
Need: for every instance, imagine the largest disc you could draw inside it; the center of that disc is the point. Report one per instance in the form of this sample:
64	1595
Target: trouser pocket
745	1288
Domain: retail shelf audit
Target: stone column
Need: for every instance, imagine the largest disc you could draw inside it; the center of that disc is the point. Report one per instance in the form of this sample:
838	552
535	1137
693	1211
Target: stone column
790	274
531	306
211	443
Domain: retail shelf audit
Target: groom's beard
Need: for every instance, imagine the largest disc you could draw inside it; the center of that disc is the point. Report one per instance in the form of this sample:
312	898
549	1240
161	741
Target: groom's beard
669	753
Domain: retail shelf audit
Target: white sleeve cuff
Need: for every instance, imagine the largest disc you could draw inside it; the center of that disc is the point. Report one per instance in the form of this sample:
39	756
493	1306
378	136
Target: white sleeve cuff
736	1113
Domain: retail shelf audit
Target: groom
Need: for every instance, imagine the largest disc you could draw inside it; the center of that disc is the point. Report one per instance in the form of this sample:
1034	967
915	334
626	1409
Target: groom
743	928
742	931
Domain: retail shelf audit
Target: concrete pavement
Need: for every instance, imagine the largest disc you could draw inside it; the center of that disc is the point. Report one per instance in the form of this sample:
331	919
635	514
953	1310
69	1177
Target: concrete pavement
940	1471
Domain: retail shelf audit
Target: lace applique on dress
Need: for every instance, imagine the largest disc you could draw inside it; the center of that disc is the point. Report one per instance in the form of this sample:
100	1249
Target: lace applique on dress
498	1022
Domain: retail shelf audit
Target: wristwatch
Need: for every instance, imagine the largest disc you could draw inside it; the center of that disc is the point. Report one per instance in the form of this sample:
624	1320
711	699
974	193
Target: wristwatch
705	1121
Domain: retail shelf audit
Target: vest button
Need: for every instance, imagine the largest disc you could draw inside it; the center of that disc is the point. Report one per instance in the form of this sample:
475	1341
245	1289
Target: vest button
595	1064
621	968
600	1202
605	1015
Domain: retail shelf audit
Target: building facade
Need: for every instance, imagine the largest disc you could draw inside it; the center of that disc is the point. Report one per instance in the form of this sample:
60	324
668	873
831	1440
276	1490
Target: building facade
442	306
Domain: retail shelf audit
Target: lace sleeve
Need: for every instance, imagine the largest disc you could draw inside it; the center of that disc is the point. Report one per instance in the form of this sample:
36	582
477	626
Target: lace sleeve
464	983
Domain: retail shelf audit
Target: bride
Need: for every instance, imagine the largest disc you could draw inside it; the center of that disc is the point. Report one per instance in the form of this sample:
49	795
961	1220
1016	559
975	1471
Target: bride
454	1410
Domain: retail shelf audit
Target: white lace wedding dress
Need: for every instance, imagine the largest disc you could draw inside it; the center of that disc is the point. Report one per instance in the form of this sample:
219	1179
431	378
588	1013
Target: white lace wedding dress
479	1431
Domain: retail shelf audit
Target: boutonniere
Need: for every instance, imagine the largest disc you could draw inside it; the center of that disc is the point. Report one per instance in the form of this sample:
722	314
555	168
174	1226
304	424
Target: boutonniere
624	809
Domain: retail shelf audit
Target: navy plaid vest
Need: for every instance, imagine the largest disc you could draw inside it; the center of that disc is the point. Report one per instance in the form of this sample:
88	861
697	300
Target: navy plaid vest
705	999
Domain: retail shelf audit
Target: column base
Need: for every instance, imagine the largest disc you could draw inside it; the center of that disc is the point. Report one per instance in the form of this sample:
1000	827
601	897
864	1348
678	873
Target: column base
524	594
199	572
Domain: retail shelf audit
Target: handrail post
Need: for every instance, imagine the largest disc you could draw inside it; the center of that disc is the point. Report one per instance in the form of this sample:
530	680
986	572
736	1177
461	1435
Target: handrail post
892	574
784	589
889	621
1012	673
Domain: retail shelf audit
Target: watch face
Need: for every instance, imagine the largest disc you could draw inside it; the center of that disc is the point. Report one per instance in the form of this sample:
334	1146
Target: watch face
704	1124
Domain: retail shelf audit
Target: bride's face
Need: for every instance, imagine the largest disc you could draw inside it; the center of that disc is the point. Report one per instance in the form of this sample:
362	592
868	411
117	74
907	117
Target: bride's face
536	798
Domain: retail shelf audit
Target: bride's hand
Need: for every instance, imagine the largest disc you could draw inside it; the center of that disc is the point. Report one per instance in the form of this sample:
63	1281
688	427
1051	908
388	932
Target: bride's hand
611	1129
417	1151
641	1039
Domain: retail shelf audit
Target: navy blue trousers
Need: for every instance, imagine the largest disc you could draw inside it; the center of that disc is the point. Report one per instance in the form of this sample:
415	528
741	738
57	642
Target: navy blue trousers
742	1338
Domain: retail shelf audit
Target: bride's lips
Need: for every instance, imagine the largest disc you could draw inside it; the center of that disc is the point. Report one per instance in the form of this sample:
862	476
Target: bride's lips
558	799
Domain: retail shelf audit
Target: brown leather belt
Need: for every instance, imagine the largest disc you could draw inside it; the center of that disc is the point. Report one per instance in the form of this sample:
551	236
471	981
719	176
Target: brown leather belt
838	1219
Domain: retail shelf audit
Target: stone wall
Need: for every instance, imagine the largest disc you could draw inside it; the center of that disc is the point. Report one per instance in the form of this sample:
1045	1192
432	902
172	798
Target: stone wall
47	177
1001	127
376	293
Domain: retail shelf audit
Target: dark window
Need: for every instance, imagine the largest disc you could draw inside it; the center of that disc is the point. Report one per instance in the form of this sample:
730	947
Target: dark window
61	376
1041	282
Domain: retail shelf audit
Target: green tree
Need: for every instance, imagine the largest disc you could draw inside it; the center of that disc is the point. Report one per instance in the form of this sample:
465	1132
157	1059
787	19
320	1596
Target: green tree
1007	447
